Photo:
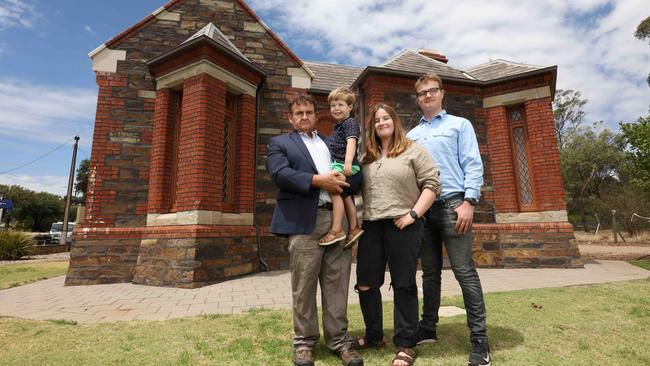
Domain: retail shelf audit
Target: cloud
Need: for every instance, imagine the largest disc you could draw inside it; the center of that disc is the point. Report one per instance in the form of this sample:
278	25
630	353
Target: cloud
89	29
591	41
49	114
48	183
17	14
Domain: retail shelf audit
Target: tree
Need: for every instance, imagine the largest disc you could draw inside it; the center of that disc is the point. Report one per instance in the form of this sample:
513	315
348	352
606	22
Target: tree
643	33
81	184
567	114
32	211
637	137
590	166
643	30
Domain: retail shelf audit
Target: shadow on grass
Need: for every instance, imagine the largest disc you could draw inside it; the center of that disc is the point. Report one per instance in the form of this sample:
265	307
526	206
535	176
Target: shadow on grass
453	341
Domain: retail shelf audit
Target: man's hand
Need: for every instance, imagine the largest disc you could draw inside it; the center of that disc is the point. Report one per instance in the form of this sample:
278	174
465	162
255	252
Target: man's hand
347	169
465	216
404	221
333	182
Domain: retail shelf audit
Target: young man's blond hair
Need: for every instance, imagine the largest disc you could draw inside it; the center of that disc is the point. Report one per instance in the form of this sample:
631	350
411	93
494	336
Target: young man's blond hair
428	77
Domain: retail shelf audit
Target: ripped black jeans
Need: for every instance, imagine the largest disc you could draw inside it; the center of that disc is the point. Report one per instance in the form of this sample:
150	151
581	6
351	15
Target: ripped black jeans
381	243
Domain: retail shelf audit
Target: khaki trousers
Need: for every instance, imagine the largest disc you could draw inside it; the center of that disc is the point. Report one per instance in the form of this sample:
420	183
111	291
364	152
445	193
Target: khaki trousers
312	264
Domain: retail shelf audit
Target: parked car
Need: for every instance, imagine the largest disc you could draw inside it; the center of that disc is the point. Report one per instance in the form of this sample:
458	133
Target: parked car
55	232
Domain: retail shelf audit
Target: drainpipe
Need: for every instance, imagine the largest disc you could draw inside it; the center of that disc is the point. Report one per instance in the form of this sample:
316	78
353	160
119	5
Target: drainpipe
263	265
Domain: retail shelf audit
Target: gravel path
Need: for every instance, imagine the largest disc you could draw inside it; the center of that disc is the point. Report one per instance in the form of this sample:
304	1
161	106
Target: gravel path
58	257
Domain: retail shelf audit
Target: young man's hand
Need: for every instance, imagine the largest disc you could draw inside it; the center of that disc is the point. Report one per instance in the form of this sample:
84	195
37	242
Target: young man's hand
465	217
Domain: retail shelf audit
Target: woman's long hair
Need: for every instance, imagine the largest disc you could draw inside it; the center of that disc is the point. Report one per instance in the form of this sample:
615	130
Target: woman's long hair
398	144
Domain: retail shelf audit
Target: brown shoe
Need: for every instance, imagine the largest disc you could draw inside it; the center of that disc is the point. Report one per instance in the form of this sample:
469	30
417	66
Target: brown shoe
353	237
332	237
350	357
304	357
363	343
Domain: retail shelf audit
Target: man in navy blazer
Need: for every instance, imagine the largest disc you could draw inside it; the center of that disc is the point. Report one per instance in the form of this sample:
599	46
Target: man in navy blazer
299	164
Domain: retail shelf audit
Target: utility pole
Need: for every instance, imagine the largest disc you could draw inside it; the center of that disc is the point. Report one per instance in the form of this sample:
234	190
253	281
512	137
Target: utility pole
614	229
64	229
2	210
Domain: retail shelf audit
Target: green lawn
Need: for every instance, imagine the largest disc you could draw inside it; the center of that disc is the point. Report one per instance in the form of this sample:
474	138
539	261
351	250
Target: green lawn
12	275
643	263
584	325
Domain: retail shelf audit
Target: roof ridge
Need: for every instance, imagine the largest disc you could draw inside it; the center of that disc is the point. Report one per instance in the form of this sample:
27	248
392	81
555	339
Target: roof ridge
209	30
503	61
331	64
400	53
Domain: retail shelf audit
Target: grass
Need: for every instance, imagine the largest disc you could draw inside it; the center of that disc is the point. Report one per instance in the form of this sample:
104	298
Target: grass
16	274
599	324
643	263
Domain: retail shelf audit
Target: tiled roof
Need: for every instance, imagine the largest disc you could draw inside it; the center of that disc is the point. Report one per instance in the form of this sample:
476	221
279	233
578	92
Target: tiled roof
412	61
212	32
496	69
331	76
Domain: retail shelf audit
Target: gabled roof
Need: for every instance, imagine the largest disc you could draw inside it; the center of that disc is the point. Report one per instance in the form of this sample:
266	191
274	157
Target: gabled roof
331	76
411	61
168	7
212	32
496	69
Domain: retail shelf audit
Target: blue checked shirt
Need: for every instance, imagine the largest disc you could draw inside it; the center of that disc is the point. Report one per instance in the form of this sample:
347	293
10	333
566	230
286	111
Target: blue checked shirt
451	141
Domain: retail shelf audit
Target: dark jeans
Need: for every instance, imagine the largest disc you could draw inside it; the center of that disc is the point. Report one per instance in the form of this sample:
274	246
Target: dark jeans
439	229
381	243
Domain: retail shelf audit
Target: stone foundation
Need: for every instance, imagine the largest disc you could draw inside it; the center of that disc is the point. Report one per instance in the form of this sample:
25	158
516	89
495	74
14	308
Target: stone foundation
99	261
190	262
526	245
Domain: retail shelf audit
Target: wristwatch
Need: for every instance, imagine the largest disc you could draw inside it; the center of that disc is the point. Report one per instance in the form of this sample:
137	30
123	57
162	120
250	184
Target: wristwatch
472	201
413	214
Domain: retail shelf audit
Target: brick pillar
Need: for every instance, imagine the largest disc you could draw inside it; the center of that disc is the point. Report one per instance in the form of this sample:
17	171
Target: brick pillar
200	149
544	155
97	195
500	152
162	151
245	145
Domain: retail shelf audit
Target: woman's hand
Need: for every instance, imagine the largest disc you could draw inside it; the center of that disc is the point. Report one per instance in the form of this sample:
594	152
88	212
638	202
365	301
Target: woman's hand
404	221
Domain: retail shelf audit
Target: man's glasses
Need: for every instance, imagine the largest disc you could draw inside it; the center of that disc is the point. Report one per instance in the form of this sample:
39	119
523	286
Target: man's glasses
423	93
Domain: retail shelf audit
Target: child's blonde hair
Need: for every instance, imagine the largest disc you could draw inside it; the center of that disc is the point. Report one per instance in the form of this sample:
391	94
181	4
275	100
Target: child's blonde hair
343	94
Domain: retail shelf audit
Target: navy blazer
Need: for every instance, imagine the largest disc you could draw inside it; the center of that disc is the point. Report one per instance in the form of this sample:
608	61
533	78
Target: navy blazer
292	168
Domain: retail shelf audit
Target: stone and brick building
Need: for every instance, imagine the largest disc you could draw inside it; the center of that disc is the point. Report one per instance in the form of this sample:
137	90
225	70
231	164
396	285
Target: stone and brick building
189	97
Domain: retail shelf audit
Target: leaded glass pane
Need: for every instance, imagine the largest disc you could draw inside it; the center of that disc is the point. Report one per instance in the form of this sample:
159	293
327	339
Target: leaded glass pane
516	114
525	186
226	155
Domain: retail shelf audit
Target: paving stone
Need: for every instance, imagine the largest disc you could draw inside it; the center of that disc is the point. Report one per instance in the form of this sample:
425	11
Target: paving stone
49	299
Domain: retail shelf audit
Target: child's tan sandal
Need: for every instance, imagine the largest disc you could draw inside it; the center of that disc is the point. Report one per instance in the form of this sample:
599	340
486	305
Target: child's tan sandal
332	237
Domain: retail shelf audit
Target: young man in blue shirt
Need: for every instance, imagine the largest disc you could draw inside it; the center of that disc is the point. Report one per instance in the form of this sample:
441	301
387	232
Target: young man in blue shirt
452	143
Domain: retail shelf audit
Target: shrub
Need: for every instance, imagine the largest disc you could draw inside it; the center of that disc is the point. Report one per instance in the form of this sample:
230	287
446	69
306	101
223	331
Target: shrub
14	245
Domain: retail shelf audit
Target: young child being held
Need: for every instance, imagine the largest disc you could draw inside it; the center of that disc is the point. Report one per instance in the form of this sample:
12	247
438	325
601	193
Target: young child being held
343	148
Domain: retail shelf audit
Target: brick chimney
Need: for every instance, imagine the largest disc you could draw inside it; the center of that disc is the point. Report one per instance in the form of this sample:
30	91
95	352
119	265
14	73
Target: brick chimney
436	55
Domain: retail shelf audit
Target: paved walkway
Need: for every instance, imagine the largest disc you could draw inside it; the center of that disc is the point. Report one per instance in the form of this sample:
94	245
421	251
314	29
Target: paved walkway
49	299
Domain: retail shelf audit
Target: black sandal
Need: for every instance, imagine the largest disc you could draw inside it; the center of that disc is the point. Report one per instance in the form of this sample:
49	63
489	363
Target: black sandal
409	358
356	344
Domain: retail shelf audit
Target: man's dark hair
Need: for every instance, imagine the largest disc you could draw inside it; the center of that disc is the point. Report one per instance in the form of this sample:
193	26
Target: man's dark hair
302	100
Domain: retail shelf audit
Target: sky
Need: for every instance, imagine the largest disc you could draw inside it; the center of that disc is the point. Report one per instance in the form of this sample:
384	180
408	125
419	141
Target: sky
48	92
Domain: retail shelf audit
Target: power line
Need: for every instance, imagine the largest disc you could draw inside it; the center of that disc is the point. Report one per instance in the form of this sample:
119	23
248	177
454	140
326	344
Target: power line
37	159
85	153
